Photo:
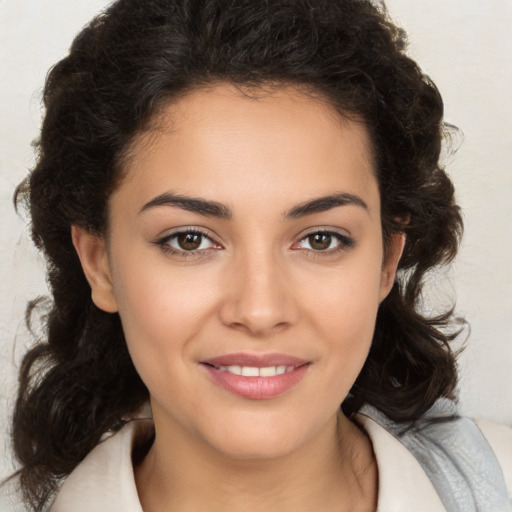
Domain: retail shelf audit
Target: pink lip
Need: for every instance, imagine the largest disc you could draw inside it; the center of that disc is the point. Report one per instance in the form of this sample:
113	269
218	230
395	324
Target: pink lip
256	388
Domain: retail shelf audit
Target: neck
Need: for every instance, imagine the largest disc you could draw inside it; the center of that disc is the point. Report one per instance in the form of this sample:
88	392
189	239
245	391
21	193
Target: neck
334	471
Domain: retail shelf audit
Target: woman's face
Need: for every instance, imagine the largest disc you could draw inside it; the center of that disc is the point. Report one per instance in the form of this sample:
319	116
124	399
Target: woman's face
245	258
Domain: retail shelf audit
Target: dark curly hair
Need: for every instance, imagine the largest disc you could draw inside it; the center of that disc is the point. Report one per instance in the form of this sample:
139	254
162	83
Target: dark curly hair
79	382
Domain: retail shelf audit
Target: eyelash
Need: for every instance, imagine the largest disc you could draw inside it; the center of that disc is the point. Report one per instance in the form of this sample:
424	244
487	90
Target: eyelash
344	243
164	243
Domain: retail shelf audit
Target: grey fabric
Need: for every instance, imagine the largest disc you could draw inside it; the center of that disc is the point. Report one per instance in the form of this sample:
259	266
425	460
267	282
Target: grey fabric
456	457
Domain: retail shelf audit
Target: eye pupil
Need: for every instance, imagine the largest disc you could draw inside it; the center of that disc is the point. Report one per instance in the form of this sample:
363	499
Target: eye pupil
189	241
320	241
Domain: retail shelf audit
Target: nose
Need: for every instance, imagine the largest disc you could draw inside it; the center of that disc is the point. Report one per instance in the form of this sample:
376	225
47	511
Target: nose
258	298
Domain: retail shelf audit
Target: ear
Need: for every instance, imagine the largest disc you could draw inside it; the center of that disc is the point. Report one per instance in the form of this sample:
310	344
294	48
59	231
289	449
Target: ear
393	252
93	256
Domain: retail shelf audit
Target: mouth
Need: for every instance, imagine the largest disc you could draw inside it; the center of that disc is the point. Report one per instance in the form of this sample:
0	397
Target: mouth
256	377
254	371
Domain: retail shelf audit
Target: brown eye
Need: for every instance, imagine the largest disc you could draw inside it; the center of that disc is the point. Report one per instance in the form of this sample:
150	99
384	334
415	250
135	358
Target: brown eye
328	242
320	241
189	241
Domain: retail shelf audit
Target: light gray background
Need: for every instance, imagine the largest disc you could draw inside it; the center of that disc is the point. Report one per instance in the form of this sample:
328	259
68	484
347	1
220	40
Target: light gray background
464	45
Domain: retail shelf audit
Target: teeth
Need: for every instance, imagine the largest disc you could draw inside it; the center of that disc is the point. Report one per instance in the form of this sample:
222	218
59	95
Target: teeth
237	370
270	371
252	371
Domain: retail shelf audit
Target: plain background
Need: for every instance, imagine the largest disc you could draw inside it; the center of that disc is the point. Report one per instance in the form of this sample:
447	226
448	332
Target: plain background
464	45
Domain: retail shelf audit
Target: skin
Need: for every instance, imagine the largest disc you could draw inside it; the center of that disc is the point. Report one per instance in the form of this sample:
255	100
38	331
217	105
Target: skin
257	285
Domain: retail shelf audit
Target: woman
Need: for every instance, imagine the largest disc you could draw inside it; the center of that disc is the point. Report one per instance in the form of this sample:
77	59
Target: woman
225	192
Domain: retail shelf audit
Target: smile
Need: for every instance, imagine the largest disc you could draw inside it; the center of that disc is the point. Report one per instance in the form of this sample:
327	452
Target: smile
254	371
256	376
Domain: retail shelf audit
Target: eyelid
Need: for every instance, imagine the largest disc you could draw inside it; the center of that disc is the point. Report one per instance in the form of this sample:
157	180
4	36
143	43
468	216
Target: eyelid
343	233
346	240
162	241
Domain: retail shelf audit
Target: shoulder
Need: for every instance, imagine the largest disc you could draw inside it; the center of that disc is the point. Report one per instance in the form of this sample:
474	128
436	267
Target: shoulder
460	461
499	438
403	484
104	480
10	496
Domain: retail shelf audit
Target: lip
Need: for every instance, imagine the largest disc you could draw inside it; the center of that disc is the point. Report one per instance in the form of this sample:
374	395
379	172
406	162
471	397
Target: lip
256	388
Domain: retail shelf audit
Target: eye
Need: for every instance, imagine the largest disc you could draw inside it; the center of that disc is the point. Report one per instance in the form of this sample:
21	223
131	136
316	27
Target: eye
324	241
187	242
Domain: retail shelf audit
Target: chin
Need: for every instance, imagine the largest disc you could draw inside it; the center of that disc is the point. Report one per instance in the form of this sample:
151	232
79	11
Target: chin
257	437
257	447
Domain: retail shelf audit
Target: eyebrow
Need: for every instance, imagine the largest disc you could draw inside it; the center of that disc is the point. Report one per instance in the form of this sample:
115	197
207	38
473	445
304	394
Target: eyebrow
191	204
323	204
214	209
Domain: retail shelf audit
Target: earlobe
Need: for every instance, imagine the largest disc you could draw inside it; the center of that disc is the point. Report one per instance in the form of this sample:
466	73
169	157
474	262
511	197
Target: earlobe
93	256
392	257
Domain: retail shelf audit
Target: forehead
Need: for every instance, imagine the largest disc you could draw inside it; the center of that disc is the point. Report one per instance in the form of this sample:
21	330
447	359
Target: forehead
231	144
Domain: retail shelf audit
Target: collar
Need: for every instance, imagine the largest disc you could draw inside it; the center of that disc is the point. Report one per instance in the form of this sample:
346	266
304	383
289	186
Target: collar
105	481
403	484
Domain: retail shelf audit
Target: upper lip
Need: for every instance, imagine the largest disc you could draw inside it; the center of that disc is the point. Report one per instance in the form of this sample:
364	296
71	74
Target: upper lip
255	360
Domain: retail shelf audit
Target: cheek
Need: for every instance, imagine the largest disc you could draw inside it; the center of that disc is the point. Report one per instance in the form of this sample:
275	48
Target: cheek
158	324
349	296
348	321
162	309
153	295
344	308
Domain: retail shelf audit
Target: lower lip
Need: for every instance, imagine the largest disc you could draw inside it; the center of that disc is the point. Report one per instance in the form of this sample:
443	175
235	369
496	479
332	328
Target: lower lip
257	388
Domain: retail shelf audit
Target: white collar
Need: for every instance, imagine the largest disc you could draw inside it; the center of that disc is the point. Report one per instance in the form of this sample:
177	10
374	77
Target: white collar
403	484
105	481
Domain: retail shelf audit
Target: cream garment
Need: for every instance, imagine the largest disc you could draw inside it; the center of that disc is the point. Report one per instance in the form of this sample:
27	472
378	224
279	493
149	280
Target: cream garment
456	456
104	480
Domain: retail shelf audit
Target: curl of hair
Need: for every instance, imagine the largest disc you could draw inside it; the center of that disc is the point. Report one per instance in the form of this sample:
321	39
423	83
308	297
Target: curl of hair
79	382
